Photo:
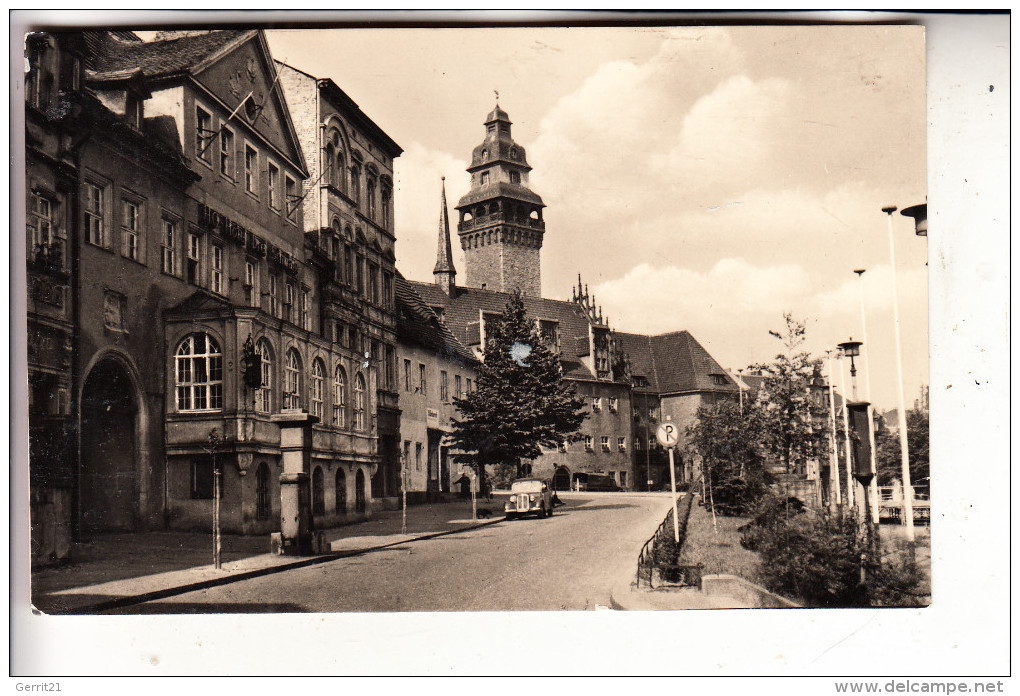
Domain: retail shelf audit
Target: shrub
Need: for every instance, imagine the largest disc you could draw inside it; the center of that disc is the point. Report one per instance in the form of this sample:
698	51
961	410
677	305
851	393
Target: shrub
817	558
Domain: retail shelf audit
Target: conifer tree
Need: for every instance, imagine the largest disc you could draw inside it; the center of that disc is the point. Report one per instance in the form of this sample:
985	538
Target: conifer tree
520	401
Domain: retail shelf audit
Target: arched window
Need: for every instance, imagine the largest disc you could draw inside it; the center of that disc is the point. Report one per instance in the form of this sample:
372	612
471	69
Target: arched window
264	396
340	169
370	195
359	402
355	191
328	162
341	492
386	195
199	374
339	398
318	495
263	506
317	388
292	380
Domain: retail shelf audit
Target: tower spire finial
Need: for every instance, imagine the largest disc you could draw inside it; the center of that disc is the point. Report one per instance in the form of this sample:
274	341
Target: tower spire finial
444	273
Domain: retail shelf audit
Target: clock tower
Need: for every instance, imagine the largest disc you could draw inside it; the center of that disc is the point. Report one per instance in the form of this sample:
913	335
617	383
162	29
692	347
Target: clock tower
501	227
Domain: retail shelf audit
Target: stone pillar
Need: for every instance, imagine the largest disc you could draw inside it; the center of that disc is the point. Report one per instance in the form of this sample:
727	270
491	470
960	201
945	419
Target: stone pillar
295	485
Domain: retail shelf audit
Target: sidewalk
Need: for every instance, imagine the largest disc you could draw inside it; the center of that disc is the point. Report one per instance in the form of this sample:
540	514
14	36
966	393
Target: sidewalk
124	569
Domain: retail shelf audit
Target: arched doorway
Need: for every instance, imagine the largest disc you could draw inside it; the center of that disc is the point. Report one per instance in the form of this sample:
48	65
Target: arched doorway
359	492
341	492
263	504
108	494
561	479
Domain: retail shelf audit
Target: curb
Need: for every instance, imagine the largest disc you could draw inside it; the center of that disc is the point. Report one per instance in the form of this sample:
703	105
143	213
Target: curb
130	600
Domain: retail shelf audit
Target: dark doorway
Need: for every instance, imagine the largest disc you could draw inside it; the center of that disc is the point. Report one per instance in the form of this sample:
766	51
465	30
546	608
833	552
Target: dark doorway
433	460
107	480
359	492
444	469
263	506
561	479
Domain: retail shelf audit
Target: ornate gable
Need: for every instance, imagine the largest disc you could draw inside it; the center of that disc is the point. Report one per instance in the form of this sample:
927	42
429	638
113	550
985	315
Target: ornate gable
243	76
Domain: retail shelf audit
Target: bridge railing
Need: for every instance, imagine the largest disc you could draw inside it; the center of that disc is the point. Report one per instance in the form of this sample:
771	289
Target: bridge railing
659	560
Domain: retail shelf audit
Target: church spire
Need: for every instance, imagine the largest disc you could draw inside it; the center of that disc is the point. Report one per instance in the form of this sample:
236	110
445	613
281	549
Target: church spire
444	273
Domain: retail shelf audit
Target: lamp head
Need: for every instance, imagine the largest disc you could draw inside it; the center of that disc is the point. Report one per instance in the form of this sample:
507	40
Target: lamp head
851	348
920	214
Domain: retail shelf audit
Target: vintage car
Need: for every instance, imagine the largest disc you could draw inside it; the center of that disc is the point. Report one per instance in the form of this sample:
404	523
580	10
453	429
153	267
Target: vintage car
529	496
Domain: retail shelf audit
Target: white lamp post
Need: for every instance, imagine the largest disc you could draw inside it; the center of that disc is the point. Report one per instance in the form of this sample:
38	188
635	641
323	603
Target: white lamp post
833	461
867	396
908	491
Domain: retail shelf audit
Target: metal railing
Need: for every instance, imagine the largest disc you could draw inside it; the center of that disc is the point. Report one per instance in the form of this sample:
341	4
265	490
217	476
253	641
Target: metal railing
660	555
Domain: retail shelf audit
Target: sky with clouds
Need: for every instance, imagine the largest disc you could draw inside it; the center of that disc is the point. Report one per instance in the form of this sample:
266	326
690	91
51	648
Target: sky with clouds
707	179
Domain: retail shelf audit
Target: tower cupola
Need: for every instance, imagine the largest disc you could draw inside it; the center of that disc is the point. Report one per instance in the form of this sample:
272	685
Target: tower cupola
501	227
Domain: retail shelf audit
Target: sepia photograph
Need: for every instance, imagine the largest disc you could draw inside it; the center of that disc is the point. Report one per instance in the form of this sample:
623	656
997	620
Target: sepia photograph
352	319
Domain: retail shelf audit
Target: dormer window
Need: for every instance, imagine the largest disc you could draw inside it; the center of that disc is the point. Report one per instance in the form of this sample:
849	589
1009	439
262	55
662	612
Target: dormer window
133	110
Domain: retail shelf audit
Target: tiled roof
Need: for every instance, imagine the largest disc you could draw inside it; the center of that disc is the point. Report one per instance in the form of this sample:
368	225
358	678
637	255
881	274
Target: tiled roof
463	311
500	189
159	58
673	362
419	324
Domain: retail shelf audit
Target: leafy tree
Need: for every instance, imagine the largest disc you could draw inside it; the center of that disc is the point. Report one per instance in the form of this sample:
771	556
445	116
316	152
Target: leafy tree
791	417
727	440
520	401
887	451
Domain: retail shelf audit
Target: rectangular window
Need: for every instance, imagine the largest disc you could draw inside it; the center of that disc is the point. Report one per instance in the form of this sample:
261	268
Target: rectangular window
387	298
251	169
359	275
391	367
637	444
373	283
483	179
467	386
216	279
227	153
274	186
614	404
251	283
407	375
596	404
95	222
42	230
422	385
417	456
306	319
293	200
193	258
130	227
288	301
202	477
203	134
621	444
457	386
274	294
651	413
588	446
168	257
604	440
407	453
623	479
444	386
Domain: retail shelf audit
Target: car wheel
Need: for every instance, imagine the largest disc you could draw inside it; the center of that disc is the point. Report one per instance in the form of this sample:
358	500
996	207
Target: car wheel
542	513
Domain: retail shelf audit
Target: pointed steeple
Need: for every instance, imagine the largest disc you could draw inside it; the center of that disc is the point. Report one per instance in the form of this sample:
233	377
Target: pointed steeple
444	273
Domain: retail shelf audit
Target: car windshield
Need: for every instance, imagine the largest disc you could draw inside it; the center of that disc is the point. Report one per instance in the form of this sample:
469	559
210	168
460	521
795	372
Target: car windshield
530	486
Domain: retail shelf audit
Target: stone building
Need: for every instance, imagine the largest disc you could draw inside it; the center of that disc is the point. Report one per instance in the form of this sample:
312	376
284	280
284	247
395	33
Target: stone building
178	297
348	214
630	382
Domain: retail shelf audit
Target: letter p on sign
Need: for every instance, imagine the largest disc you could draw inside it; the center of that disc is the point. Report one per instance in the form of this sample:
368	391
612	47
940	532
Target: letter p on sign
668	434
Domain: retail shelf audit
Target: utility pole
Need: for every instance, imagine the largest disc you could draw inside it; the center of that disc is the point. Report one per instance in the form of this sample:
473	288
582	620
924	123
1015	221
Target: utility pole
908	490
867	396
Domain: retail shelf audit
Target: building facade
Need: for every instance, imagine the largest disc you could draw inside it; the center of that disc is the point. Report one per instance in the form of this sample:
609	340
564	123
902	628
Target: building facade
180	297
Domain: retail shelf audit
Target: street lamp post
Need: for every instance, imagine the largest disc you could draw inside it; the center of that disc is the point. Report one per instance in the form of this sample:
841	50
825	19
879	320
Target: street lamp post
867	396
846	435
908	491
214	441
833	461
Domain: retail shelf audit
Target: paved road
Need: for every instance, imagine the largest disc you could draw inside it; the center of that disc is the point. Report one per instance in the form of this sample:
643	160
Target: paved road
569	561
